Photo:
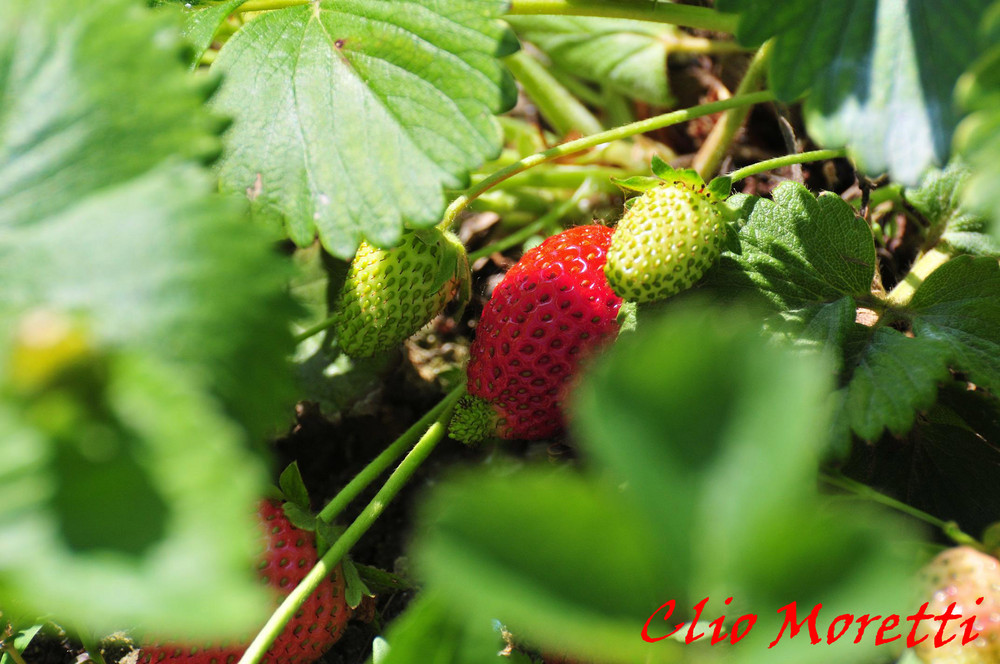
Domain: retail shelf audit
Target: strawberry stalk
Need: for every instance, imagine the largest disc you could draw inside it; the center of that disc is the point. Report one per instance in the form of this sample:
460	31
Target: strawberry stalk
949	528
587	142
786	160
287	609
710	155
588	187
380	463
660	12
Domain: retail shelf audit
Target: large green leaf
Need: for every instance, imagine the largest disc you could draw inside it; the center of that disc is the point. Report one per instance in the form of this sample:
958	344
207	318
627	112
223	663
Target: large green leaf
352	116
948	465
133	488
628	56
979	135
958	305
798	251
702	441
716	434
136	483
880	73
562	562
431	632
894	377
99	215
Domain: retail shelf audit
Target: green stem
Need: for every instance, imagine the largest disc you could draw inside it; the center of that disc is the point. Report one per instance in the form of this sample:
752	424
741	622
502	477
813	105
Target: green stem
714	149
685	44
380	463
950	528
267	5
276	623
901	295
324	324
562	110
787	160
581	144
522	234
643	10
9	648
562	177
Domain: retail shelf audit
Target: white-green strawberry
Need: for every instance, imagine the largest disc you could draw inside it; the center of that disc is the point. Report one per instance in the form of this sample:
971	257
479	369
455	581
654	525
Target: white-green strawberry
389	294
667	239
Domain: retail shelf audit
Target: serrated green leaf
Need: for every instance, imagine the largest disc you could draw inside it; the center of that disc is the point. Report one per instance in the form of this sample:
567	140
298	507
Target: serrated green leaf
351	117
291	484
880	73
940	201
630	57
895	377
797	250
958	305
819	327
188	459
431	631
539	551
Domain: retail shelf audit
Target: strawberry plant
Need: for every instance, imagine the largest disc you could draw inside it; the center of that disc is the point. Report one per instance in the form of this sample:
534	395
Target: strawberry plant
710	290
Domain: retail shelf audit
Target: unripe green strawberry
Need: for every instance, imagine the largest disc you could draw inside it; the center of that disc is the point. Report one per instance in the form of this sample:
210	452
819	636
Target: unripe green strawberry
389	294
666	241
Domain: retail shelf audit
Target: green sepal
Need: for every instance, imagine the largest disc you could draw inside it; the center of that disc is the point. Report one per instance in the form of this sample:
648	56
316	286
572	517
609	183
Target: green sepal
637	183
301	518
626	317
356	588
292	487
719	188
474	420
665	171
326	534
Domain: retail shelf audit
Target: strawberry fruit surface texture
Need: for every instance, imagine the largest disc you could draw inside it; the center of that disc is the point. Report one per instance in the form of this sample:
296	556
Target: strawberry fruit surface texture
665	242
389	294
962	576
289	555
552	309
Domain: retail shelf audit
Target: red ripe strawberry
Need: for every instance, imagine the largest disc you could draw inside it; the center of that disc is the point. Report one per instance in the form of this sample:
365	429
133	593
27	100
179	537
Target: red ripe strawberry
288	556
552	309
971	581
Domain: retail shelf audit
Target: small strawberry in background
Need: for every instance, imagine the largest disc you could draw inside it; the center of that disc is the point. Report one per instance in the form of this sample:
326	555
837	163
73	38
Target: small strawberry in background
966	582
669	236
289	553
552	310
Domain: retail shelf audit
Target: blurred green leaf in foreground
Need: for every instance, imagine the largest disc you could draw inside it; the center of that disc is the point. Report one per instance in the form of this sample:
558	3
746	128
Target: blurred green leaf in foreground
701	442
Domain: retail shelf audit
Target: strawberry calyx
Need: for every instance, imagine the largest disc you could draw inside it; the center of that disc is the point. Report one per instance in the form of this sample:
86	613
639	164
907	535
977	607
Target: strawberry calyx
474	420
